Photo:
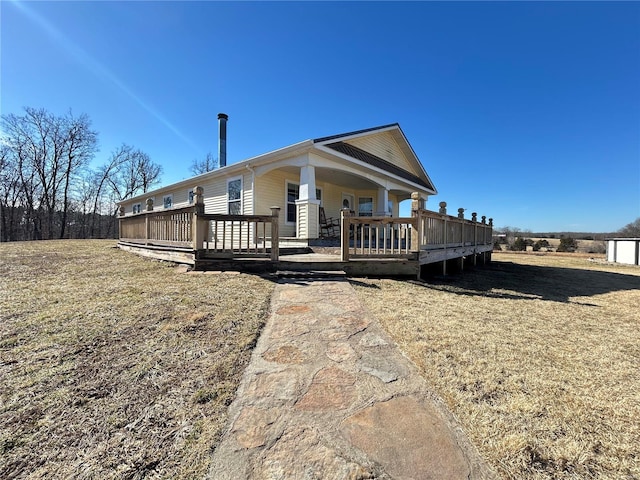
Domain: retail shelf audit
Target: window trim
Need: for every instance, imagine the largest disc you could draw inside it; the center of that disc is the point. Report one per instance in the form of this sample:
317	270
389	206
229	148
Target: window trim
241	199
287	203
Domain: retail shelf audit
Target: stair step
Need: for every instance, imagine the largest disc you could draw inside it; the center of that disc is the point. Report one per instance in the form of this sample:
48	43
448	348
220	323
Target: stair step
311	274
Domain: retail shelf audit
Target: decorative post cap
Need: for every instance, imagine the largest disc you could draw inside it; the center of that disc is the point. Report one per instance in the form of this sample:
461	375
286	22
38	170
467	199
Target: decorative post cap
491	222
149	204
474	216
415	196
484	219
121	210
443	208
461	213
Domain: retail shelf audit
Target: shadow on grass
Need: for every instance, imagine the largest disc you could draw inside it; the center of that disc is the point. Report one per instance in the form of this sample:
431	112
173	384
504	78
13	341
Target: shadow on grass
516	281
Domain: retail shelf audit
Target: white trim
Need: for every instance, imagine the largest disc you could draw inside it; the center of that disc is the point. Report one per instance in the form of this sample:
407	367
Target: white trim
233	179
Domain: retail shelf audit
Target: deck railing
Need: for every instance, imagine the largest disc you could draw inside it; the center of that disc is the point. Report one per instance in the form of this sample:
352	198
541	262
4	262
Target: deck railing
389	237
208	235
241	235
172	228
440	230
371	237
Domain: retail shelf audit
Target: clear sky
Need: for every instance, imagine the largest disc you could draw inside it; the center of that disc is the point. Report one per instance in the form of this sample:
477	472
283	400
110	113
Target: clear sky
527	112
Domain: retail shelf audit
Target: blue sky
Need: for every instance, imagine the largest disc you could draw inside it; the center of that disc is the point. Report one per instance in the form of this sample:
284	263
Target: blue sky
527	112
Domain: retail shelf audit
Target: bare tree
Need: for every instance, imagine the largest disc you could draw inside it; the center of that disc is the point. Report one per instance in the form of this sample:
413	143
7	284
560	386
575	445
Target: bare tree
205	165
130	171
49	152
631	230
10	194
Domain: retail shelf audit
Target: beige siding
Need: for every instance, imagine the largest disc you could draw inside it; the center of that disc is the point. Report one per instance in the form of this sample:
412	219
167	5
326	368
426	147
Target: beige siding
271	191
332	199
384	146
215	194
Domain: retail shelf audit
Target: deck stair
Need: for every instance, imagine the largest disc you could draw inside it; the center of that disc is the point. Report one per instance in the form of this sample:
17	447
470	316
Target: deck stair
311	274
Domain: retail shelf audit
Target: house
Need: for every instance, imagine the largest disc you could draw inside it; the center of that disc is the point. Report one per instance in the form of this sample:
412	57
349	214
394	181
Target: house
367	171
353	181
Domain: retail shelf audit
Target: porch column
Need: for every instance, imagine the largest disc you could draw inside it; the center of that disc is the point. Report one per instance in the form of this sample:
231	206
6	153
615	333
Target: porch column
307	204
383	203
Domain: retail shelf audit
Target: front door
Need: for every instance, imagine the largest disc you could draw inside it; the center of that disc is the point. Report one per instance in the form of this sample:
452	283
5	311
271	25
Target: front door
348	201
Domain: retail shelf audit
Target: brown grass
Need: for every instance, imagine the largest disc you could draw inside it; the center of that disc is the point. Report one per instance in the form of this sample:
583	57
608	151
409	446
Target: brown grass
537	356
113	366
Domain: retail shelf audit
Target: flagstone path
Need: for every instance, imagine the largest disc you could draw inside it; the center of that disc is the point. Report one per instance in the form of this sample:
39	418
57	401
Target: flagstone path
328	395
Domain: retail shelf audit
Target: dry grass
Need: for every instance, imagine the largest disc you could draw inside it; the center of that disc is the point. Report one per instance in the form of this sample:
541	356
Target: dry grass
537	356
113	366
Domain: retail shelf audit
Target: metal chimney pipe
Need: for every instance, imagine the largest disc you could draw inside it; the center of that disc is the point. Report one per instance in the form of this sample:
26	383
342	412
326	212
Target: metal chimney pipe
222	139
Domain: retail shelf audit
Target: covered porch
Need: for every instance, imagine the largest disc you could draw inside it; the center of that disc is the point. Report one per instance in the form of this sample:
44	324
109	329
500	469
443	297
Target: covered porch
317	189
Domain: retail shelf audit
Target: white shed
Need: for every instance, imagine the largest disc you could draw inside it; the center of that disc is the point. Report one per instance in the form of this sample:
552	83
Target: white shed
624	250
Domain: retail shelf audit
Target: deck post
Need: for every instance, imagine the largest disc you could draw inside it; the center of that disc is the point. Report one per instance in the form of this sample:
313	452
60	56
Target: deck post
345	213
417	205
484	239
198	225
120	214
474	219
461	217
444	237
275	234
147	221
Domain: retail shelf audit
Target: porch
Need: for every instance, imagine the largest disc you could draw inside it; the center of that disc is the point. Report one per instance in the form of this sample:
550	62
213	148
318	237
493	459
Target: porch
366	245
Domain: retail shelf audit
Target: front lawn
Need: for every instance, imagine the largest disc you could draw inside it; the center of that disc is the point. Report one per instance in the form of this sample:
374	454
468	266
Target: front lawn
537	356
114	366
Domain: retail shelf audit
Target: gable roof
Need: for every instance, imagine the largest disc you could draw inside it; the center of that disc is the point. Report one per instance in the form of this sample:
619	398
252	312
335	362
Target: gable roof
354	133
342	143
378	162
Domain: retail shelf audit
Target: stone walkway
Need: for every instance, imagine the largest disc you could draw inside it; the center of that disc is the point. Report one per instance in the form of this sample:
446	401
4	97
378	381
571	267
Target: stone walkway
328	395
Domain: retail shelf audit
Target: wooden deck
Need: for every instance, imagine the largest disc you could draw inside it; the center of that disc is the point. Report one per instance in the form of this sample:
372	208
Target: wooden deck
367	246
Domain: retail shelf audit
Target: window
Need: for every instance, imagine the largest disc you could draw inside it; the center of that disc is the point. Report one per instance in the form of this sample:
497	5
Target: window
191	196
365	206
234	196
167	201
293	191
137	207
